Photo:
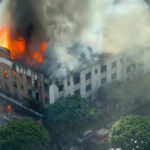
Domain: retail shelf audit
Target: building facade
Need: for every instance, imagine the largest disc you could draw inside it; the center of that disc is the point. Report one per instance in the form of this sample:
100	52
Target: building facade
87	82
28	85
21	82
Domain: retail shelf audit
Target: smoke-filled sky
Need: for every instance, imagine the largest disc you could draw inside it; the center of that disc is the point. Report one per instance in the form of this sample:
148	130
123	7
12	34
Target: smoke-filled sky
103	25
78	29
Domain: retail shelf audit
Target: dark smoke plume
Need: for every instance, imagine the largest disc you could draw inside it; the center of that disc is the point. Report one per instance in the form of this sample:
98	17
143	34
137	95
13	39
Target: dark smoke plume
26	19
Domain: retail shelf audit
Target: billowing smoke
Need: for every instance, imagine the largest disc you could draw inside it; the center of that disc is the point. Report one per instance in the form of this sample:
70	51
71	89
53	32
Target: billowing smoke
81	29
25	19
128	28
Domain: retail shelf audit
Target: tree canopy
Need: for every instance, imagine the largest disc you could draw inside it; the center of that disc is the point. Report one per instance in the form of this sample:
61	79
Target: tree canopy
70	115
131	132
23	135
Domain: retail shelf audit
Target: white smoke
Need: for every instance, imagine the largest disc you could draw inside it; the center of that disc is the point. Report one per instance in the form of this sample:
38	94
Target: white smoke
79	29
102	25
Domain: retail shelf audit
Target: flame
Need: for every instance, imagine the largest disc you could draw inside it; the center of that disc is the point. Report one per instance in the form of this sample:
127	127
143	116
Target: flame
18	47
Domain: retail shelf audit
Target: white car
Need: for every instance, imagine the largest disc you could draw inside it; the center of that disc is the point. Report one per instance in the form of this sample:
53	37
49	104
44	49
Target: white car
85	135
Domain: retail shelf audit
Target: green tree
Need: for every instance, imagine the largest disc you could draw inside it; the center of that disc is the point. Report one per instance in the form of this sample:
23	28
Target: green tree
131	132
67	117
23	135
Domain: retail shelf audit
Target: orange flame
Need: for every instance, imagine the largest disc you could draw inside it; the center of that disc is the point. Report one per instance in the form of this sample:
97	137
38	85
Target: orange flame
18	47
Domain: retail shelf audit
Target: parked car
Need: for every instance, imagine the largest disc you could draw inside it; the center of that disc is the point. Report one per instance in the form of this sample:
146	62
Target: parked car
101	136
84	136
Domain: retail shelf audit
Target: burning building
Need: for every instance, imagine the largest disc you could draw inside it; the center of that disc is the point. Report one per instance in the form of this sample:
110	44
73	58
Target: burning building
23	41
31	85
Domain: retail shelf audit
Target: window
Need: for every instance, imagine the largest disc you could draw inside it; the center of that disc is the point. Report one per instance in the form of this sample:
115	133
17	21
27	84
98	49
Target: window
37	96
128	69
6	86
61	87
114	65
104	80
16	96
88	87
5	74
76	78
121	60
68	82
114	76
29	92
22	87
14	73
21	75
103	69
35	83
88	76
77	92
28	80
15	84
96	71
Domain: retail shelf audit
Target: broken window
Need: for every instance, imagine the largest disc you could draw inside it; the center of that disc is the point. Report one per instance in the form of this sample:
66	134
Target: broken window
77	78
88	76
88	87
5	74
103	69
114	65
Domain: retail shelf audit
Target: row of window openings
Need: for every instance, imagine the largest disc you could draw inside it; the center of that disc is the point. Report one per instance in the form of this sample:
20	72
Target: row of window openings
113	77
88	88
6	75
29	80
103	81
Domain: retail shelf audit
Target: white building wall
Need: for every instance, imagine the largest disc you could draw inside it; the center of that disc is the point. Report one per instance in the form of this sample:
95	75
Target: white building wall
96	80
